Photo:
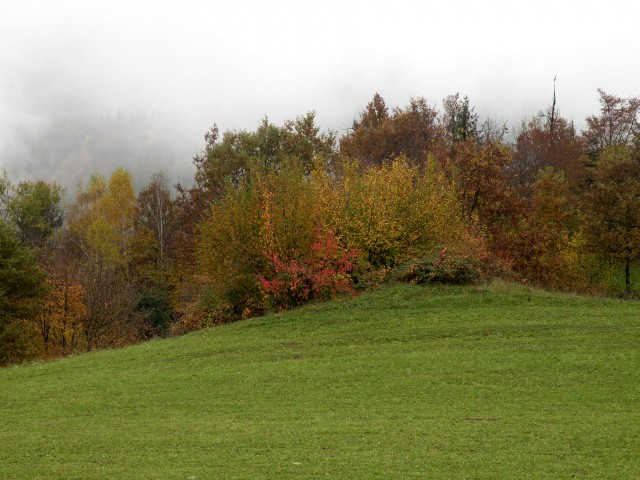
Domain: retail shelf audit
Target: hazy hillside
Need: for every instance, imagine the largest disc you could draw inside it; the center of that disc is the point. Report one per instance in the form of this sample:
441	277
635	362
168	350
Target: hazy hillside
69	149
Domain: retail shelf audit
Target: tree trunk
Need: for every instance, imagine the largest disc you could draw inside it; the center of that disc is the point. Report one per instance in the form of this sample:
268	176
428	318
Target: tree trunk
627	277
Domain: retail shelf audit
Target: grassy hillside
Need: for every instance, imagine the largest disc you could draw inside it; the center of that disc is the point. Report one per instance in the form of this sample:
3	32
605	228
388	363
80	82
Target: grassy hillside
406	383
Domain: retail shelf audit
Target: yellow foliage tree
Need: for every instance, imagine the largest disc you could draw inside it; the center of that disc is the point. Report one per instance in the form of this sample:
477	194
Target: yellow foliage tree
229	250
103	216
290	213
101	226
396	211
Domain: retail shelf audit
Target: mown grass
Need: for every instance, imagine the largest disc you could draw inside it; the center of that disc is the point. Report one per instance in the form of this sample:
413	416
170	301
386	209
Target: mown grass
406	382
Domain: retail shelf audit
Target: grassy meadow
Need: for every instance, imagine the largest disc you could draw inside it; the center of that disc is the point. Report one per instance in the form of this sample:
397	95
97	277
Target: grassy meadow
497	381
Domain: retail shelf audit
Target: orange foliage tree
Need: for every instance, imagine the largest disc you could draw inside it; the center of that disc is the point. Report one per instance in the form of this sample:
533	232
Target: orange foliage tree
618	124
61	322
541	241
378	136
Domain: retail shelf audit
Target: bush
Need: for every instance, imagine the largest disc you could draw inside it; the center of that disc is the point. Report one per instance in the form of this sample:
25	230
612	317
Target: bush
16	343
265	243
444	268
451	266
322	273
588	272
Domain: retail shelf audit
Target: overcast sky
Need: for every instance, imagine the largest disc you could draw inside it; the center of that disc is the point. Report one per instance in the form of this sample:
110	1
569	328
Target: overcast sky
234	62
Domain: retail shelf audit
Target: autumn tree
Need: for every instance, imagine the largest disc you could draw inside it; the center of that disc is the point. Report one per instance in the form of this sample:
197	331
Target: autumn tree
547	140
156	212
617	125
151	262
396	211
101	227
539	146
481	174
540	242
60	322
228	158
366	139
36	211
487	201
378	136
190	207
227	162
611	209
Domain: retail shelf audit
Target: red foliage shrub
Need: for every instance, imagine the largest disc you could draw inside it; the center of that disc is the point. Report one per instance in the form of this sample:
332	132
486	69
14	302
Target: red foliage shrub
322	273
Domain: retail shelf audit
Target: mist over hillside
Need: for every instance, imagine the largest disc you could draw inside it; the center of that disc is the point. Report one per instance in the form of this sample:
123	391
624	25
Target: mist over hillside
66	65
69	149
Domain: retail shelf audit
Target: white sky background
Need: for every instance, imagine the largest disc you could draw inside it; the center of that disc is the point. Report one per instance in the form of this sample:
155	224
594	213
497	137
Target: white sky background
234	62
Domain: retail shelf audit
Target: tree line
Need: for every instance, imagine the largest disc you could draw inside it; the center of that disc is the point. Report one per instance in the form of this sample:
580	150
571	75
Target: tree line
287	214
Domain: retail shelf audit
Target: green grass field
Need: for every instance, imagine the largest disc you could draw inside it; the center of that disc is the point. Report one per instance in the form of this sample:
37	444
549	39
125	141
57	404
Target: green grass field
401	383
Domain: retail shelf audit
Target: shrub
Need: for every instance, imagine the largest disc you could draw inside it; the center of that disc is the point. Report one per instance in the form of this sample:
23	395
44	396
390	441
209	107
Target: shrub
322	273
465	261
443	268
587	271
263	238
16	343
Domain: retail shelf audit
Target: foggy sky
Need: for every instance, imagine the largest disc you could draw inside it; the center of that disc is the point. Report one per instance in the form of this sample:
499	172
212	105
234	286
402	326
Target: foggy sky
200	62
